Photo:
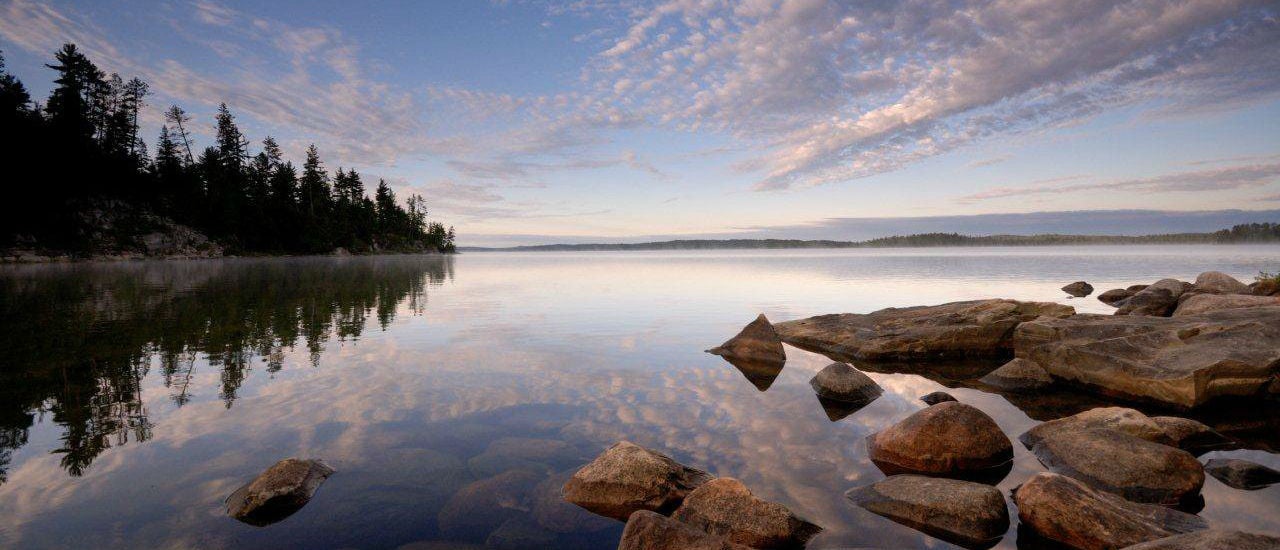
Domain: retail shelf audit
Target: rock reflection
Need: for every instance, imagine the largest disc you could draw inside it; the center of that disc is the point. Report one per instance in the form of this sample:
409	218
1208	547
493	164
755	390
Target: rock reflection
839	410
761	375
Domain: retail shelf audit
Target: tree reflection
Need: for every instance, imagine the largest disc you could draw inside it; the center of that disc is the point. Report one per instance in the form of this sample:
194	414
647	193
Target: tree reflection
80	339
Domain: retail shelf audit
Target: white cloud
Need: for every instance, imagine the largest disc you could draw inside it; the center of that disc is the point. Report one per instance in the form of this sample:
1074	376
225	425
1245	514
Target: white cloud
1214	179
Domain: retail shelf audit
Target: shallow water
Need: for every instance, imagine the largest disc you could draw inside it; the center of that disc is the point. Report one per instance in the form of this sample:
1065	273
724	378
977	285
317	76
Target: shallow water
452	394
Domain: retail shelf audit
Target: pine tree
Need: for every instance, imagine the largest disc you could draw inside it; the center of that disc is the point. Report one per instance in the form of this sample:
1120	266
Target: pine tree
179	119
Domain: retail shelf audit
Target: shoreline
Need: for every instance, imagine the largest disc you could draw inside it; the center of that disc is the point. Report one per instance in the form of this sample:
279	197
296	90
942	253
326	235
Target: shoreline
8	259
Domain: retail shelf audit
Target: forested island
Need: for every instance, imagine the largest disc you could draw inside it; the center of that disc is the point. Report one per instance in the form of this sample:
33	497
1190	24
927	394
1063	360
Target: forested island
81	182
1244	233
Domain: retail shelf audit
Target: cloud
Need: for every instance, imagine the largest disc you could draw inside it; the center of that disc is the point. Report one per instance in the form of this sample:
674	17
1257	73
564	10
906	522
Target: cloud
1216	179
511	169
989	161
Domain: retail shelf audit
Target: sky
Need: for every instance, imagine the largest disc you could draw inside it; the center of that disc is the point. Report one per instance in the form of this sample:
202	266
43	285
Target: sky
531	122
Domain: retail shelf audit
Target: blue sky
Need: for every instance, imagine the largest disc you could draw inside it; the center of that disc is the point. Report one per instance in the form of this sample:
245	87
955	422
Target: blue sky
530	122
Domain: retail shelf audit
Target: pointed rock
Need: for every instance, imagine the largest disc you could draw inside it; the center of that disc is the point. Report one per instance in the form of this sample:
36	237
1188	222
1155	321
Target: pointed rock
627	477
1242	474
962	512
647	530
1069	512
948	439
277	492
842	382
758	343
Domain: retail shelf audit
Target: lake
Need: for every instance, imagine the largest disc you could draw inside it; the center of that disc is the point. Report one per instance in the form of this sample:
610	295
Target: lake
454	394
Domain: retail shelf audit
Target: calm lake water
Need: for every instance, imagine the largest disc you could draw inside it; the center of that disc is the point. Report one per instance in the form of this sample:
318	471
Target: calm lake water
453	394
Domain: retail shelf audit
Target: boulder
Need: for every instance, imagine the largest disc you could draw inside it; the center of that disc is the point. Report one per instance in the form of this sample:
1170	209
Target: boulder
647	530
980	328
1079	289
1134	468
948	439
1116	296
1192	436
1120	419
725	507
1071	513
1018	375
937	397
1217	282
1157	300
277	492
1203	303
758	343
627	477
841	382
962	512
1183	361
1212	539
1242	474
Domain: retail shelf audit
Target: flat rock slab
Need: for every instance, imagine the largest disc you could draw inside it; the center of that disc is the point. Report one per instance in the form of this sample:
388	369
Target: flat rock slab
647	530
1213	539
725	507
1069	512
949	439
1018	375
1242	474
1181	361
980	328
842	382
1134	468
1120	419
277	492
1204	303
962	512
627	477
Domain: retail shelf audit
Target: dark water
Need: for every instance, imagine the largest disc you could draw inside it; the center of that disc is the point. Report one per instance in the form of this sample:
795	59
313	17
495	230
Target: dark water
453	394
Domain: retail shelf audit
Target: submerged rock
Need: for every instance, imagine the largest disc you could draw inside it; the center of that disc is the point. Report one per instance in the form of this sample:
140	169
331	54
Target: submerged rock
842	382
980	328
1203	303
757	343
725	507
1212	539
277	492
948	439
1157	300
1217	282
1192	436
1018	375
1120	419
1242	474
651	531
555	514
1069	512
1180	361
1079	289
627	477
1134	468
482	506
966	513
937	397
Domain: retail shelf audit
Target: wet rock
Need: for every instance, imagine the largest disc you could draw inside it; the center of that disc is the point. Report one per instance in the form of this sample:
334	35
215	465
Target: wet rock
1134	468
651	531
758	343
1116	296
1079	289
980	328
725	507
1120	419
1069	512
1158	300
277	492
482	506
1217	282
842	382
937	397
1018	375
1180	361
1242	474
948	439
627	477
1203	303
555	514
1192	436
966	513
1212	539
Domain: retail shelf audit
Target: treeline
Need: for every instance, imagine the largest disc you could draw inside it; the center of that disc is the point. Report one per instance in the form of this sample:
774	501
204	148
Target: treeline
1246	233
79	159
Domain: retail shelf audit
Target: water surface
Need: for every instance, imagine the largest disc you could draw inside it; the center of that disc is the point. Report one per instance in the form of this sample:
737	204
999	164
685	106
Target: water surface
453	394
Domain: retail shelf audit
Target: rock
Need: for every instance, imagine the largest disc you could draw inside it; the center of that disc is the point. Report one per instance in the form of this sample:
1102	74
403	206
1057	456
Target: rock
1069	512
980	328
1212	539
758	343
1116	296
482	506
1157	300
948	439
1120	419
841	382
1133	468
1192	436
651	531
1242	474
937	397
1217	282
1202	303
555	514
725	507
1018	375
627	477
1183	361
1079	289
962	512
277	492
